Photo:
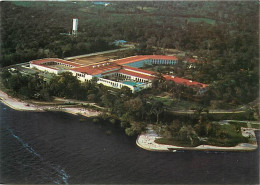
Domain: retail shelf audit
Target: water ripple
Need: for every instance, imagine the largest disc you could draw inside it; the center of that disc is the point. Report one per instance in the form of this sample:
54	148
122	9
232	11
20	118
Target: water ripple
61	172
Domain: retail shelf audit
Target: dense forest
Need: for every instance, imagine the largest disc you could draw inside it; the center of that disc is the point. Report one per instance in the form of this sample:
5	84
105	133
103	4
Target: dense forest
224	34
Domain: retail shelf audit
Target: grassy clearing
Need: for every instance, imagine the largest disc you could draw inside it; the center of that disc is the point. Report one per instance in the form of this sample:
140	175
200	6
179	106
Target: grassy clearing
240	124
230	116
230	131
227	136
230	136
27	3
257	126
206	20
171	103
165	100
183	143
147	9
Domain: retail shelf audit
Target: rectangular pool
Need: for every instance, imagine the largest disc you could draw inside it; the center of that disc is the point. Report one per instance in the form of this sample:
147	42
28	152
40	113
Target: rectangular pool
132	83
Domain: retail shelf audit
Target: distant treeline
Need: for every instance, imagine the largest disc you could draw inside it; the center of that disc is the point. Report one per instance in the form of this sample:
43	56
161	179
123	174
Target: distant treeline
33	30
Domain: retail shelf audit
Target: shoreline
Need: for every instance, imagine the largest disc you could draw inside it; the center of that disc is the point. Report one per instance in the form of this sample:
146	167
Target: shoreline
146	141
19	105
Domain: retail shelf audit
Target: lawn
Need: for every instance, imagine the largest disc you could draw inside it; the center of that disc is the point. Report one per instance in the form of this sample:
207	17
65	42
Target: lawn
28	3
171	103
183	143
228	136
244	124
257	126
236	123
206	20
147	9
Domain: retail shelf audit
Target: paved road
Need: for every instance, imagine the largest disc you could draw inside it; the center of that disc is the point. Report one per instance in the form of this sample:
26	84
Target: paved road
99	53
15	65
77	102
211	111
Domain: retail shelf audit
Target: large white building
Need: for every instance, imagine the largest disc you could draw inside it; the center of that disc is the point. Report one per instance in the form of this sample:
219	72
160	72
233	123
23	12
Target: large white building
116	74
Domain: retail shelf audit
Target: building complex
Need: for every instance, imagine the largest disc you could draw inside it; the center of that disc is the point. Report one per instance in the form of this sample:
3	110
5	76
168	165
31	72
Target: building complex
118	73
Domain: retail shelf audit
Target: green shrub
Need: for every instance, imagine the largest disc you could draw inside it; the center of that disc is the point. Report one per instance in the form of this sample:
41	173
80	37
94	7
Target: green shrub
95	120
82	119
177	142
124	124
130	132
112	120
104	116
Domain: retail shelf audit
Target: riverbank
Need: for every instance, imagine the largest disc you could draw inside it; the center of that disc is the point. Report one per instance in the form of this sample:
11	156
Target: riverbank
147	142
25	106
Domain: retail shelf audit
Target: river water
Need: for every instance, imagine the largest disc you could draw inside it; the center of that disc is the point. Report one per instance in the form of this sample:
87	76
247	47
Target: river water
58	148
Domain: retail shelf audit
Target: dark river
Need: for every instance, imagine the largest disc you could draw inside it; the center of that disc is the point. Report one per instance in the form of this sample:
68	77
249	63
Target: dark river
57	148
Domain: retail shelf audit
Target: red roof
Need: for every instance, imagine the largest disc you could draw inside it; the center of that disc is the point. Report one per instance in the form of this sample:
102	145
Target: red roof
139	70
105	68
97	69
143	57
45	60
123	71
167	77
184	81
130	60
192	60
163	57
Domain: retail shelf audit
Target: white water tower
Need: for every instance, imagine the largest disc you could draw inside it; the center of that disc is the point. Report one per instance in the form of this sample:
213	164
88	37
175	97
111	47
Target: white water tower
75	27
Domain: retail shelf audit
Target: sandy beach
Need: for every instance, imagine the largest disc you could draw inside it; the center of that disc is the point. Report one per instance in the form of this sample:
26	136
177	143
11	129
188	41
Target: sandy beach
146	141
24	106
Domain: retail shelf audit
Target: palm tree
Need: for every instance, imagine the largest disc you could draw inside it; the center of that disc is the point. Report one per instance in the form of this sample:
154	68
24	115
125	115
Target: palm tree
197	112
157	108
159	81
159	76
188	132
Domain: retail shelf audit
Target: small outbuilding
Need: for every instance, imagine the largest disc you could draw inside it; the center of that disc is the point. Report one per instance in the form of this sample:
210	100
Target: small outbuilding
119	42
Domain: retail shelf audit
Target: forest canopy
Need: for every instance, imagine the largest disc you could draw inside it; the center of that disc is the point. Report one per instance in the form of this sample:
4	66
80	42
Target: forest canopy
33	30
223	34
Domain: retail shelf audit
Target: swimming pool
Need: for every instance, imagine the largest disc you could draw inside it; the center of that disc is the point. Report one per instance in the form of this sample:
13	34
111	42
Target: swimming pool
132	83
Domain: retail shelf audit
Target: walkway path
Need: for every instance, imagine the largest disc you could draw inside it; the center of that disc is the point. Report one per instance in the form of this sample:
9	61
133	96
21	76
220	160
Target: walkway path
15	103
24	106
211	111
78	102
98	53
